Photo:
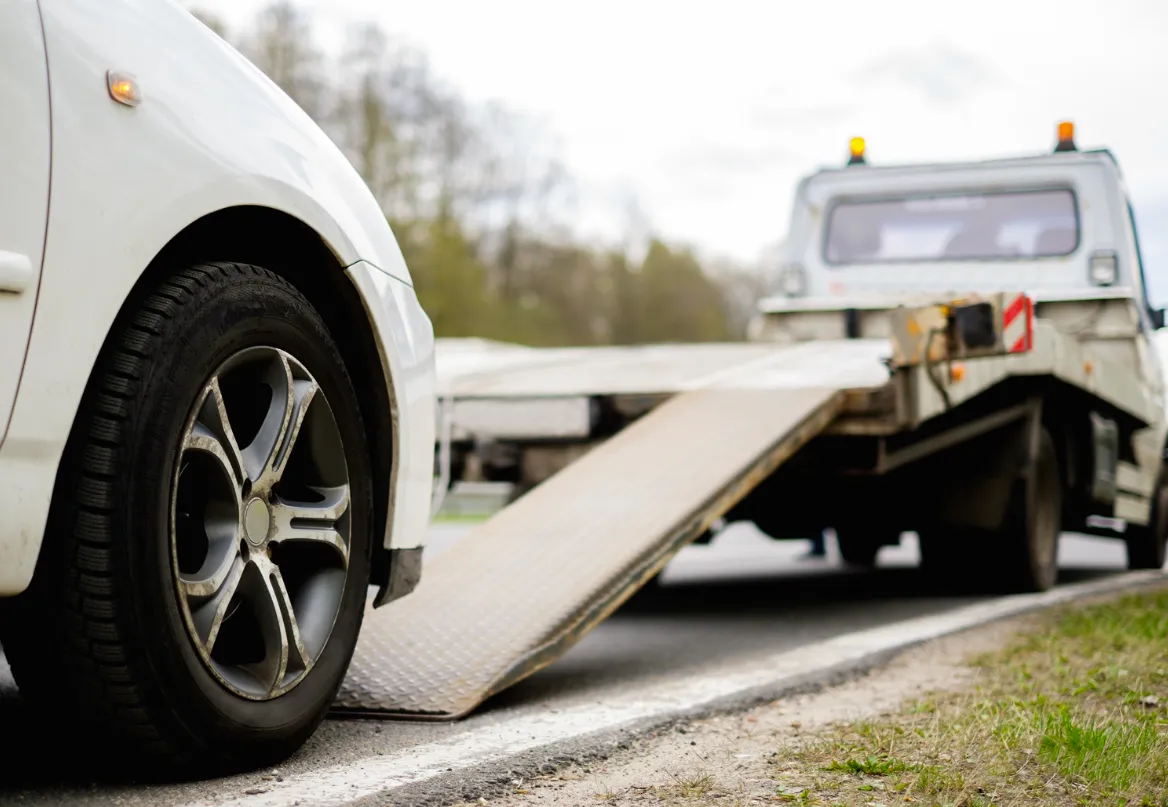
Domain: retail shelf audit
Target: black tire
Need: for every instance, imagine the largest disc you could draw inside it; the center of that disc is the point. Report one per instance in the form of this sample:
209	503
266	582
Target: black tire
1024	551
1146	542
99	639
1021	555
859	546
945	556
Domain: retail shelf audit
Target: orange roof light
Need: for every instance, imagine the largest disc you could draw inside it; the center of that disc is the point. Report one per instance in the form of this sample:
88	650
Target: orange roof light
1066	137
857	151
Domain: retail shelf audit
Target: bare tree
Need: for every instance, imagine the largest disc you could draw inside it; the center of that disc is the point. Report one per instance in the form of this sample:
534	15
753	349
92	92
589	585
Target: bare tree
480	203
282	45
211	20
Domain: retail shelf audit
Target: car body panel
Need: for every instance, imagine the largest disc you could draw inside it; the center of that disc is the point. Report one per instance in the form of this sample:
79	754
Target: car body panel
24	181
211	132
412	365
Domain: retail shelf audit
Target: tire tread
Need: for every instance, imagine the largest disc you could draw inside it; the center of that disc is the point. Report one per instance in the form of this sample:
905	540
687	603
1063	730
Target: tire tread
93	651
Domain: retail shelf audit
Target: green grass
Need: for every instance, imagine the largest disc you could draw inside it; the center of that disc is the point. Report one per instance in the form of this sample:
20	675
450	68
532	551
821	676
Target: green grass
693	786
877	765
1071	714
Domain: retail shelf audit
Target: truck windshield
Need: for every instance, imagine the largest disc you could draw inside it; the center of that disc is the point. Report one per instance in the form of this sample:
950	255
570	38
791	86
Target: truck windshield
999	225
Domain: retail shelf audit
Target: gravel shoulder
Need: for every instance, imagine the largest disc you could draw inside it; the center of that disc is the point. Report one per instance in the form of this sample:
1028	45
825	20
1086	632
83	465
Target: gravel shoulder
730	759
1063	707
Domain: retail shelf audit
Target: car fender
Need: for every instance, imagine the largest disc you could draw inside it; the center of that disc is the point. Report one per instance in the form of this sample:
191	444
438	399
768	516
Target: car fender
210	132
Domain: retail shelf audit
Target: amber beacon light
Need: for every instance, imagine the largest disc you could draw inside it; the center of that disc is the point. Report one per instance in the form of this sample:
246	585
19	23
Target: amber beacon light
856	148
1066	137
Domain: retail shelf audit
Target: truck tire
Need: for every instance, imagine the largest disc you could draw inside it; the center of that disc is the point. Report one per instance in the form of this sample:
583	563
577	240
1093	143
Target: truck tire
859	546
1025	548
1146	542
203	579
1019	556
945	556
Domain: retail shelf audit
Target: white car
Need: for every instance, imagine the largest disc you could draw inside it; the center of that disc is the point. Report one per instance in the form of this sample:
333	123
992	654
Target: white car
216	390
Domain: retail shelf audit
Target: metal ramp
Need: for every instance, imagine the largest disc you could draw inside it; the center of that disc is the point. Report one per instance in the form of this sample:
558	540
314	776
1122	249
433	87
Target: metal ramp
530	582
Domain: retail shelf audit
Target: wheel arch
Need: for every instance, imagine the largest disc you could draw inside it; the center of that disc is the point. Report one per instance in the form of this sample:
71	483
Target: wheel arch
284	244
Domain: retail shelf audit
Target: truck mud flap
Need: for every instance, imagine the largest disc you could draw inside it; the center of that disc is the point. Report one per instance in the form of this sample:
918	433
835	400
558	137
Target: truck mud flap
524	587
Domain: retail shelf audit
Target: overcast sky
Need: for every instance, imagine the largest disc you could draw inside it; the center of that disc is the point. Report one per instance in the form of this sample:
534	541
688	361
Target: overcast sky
710	112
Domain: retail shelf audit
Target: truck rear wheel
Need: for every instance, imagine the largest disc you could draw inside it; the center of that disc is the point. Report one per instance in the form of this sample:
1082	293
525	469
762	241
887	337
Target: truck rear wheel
859	546
1025	547
1021	555
945	556
1146	542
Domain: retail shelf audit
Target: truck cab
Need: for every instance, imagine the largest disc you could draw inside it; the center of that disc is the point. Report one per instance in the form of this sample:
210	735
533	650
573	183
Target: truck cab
866	238
867	243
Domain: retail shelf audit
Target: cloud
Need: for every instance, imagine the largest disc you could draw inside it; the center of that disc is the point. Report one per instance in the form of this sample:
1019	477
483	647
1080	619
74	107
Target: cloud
799	117
942	72
707	171
723	159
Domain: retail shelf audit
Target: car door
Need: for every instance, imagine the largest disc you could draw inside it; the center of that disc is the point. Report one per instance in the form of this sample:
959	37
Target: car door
25	148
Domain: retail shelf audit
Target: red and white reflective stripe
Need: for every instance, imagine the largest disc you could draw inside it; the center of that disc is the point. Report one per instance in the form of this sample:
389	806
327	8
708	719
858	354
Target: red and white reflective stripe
1018	323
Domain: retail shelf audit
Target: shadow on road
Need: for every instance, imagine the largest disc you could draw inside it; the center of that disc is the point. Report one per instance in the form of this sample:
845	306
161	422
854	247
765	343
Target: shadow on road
38	751
663	630
781	593
679	627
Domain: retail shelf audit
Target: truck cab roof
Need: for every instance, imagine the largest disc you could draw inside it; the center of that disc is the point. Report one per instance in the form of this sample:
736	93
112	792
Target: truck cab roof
1089	157
1049	224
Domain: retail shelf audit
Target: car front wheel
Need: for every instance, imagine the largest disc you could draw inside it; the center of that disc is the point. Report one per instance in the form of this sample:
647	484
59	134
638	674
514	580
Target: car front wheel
204	571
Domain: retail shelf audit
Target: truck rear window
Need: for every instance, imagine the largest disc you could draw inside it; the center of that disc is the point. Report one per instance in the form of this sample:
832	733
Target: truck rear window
1000	225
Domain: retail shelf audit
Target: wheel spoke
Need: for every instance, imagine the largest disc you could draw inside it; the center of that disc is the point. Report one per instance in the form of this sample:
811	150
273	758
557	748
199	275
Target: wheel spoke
209	617
267	455
270	612
313	522
298	657
211	433
260	628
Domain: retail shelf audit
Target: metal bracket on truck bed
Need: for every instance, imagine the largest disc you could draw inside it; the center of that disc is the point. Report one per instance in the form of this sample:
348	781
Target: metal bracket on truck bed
995	325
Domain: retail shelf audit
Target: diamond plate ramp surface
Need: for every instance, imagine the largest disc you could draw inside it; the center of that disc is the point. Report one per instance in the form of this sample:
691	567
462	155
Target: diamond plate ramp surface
523	587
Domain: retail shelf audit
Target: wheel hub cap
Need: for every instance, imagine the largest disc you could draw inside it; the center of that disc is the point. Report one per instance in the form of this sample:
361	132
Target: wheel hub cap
259	523
256	520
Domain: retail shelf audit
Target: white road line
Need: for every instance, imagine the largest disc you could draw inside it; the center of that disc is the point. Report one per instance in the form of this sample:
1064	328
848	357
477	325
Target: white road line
348	782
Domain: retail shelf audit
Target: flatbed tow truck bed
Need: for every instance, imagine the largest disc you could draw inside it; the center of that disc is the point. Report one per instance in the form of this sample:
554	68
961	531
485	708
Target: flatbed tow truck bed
706	425
872	400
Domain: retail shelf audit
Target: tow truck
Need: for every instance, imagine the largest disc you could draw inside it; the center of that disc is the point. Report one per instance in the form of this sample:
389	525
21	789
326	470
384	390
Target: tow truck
959	350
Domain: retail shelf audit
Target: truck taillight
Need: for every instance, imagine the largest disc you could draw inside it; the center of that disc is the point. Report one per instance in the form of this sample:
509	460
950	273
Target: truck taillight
1103	267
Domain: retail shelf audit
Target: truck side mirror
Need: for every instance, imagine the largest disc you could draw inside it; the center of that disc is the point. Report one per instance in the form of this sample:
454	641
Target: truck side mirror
1157	315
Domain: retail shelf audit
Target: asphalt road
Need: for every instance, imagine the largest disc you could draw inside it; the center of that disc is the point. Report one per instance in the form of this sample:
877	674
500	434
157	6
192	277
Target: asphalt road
739	599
